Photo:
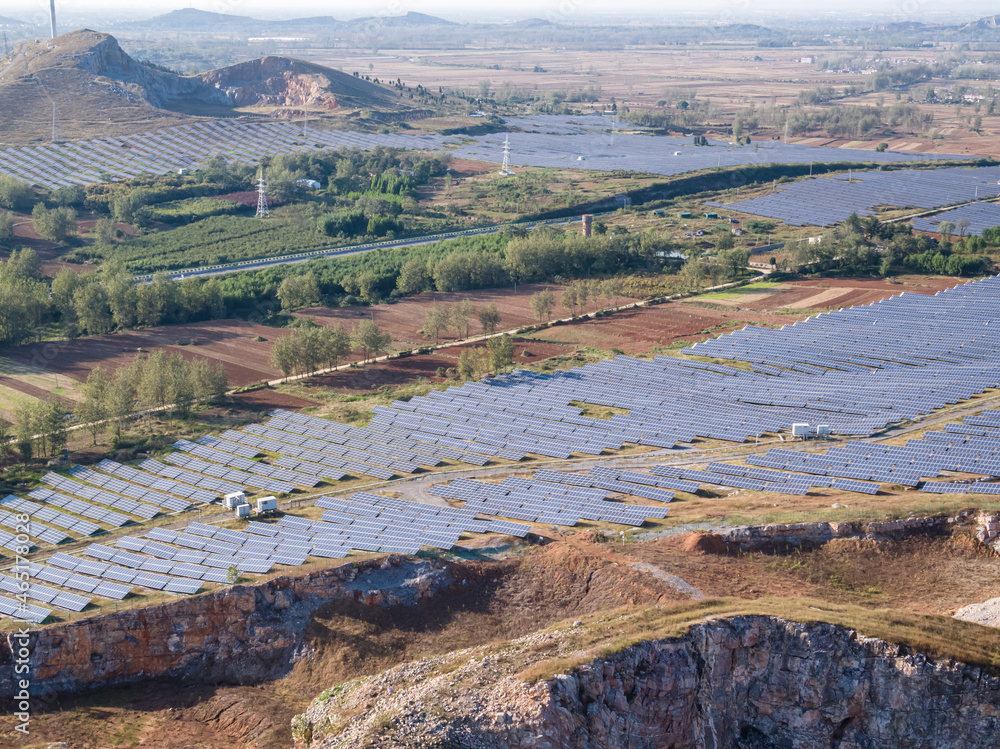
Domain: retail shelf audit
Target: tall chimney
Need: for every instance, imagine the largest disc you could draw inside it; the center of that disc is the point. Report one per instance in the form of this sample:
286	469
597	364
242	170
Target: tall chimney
52	16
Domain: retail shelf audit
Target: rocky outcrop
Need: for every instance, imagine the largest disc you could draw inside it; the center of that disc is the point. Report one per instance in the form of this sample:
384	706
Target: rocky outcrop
241	634
778	538
746	682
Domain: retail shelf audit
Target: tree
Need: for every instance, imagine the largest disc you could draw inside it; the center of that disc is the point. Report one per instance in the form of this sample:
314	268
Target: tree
367	284
286	354
467	361
489	318
946	228
962	225
14	194
232	574
311	348
336	345
436	320
371	340
54	425
693	273
5	440
569	299
105	232
460	313
121	294
24	428
94	409
413	277
90	304
209	381
612	289
501	352
6	228
299	291
56	224
155	386
542	304
120	398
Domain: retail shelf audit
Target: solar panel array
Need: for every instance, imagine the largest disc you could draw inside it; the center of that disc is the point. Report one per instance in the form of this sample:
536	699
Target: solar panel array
566	502
186	147
825	201
118	502
46	514
129	489
34	529
232	475
25	612
582	142
79	507
979	215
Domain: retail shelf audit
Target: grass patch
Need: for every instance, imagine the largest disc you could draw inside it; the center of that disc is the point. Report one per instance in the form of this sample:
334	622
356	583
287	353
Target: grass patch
935	636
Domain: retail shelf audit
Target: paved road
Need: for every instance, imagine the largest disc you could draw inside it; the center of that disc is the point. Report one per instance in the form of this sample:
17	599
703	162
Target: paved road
301	257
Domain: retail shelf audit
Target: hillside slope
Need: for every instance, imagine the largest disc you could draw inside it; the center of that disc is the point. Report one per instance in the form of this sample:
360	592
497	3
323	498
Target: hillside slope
96	89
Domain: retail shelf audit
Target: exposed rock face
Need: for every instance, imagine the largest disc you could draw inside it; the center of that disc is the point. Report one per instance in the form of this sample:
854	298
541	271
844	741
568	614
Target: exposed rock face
772	538
748	682
243	634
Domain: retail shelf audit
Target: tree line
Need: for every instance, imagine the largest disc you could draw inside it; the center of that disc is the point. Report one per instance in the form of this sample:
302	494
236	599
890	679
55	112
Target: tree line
440	318
310	347
154	381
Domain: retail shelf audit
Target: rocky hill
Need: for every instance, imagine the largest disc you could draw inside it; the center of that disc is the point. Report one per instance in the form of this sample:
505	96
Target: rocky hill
747	682
93	87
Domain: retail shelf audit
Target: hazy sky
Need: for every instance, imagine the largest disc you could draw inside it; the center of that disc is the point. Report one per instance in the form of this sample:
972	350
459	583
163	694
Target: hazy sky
951	11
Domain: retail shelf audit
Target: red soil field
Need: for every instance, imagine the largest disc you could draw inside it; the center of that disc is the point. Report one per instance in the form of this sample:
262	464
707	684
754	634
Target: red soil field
639	331
229	342
405	318
267	400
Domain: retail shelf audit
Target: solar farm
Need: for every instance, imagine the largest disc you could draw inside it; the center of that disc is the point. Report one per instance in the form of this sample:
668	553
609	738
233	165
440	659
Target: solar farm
184	147
545	141
826	201
858	370
981	216
585	143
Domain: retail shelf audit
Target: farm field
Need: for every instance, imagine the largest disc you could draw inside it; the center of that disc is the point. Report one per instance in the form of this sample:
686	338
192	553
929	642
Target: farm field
229	342
405	319
826	292
58	367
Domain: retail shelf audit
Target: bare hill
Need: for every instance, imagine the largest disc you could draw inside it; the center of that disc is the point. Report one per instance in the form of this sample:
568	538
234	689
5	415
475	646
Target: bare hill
97	89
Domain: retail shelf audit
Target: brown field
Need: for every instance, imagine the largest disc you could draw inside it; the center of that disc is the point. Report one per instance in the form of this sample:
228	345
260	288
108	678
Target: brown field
406	318
730	76
640	331
228	342
829	293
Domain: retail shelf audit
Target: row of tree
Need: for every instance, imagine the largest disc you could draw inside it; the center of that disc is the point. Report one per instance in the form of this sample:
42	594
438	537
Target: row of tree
39	428
309	347
440	318
494	358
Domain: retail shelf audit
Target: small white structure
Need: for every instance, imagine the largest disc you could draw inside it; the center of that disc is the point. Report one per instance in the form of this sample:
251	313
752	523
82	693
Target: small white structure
267	504
243	510
800	430
234	500
310	183
823	430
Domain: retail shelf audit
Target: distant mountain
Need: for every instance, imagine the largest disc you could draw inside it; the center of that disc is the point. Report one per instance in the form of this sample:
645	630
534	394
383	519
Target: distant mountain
192	19
532	23
11	23
982	24
97	88
410	19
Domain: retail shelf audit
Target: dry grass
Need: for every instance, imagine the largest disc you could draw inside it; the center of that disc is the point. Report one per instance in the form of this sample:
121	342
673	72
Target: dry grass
935	636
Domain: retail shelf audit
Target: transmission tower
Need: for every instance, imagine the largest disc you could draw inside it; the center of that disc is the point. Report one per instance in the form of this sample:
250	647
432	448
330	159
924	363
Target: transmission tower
262	211
505	169
614	129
